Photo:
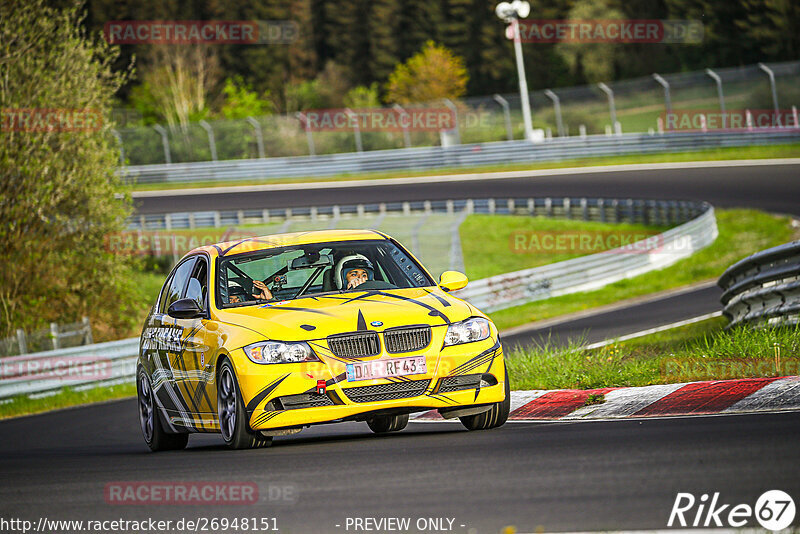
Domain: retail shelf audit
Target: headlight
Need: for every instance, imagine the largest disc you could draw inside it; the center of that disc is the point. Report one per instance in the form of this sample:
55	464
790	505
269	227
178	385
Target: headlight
473	329
277	352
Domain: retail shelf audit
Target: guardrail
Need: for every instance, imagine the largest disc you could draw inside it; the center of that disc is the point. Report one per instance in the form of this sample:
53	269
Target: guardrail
452	156
107	363
763	289
57	336
84	367
657	212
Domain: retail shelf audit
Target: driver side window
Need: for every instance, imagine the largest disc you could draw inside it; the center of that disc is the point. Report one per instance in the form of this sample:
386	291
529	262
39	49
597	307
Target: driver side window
197	289
173	289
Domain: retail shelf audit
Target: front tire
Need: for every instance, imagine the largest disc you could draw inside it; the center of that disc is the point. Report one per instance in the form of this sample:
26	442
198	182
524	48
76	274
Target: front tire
153	432
387	423
232	415
493	418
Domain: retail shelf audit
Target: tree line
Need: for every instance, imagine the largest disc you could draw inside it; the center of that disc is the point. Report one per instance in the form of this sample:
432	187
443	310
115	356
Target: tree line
343	44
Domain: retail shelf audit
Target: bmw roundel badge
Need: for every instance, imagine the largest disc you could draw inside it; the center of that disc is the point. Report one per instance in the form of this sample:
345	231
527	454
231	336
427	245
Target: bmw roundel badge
376	323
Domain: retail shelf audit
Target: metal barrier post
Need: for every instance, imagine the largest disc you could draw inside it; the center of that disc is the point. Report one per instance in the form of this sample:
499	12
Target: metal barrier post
356	129
449	104
714	76
87	337
612	108
165	142
309	137
406	134
54	335
667	102
557	108
506	114
772	87
212	145
22	341
259	136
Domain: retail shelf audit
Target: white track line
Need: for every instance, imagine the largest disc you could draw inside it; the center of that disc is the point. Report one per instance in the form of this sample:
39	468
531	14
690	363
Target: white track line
600	310
649	331
377	182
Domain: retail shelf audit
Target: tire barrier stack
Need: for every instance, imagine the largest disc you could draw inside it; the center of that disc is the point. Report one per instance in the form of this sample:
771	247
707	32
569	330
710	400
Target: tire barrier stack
764	289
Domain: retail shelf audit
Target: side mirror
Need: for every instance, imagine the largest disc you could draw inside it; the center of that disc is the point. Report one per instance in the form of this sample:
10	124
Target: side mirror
184	309
452	280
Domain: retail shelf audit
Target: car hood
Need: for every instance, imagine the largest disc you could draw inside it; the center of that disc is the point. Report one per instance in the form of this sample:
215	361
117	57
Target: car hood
318	317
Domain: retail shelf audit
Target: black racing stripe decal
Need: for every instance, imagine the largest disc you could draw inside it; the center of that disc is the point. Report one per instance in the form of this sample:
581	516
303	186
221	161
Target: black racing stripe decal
441	397
438	313
466	369
293	308
263	394
328	354
264	417
443	301
488	353
361	323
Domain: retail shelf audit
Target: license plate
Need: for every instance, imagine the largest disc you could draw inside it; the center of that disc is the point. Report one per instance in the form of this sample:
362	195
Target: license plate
385	368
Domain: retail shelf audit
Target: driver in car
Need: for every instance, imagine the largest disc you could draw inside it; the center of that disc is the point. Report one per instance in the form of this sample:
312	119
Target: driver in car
352	271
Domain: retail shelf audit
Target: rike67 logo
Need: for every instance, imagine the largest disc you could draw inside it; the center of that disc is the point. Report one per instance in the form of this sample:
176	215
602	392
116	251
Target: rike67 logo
774	510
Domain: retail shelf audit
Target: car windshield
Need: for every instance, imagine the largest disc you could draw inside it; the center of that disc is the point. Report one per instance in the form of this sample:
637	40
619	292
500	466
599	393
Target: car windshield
293	272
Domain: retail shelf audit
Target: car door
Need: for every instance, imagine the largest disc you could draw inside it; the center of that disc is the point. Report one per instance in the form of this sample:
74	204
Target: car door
197	367
169	337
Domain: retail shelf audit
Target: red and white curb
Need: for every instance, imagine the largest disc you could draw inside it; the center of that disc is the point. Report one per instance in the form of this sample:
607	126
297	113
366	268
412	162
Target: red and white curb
747	395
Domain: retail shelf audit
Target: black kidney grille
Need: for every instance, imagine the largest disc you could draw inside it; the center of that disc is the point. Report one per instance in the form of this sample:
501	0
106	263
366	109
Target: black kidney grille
407	339
357	345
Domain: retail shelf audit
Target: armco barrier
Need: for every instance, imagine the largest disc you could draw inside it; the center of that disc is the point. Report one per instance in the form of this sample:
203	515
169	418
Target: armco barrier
763	288
656	212
593	271
453	156
75	367
46	372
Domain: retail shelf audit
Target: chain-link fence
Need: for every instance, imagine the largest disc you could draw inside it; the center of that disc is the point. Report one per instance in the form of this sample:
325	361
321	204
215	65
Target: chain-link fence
56	336
636	105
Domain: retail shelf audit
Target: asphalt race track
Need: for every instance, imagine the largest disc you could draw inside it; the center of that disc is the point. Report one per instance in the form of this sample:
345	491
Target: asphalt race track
553	476
557	476
773	188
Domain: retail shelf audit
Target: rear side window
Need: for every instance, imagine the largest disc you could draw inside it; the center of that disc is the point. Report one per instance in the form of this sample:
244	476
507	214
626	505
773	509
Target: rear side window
173	289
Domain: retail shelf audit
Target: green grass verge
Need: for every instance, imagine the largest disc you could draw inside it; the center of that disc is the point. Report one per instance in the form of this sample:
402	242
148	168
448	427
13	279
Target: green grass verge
751	152
741	233
23	405
495	252
700	351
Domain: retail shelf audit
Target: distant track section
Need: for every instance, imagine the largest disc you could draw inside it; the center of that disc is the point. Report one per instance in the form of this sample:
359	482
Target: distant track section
772	186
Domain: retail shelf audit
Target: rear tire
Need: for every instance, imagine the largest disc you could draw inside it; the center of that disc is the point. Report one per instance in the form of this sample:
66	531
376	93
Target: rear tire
493	418
153	431
387	423
232	416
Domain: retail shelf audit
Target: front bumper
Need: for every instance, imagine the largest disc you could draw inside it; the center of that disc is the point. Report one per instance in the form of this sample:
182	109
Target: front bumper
463	375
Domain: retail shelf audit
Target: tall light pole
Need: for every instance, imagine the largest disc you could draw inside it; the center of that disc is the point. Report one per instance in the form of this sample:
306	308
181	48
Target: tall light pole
511	12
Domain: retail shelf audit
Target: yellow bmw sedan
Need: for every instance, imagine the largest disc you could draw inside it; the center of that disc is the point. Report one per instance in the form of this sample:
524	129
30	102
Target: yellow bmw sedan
265	336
